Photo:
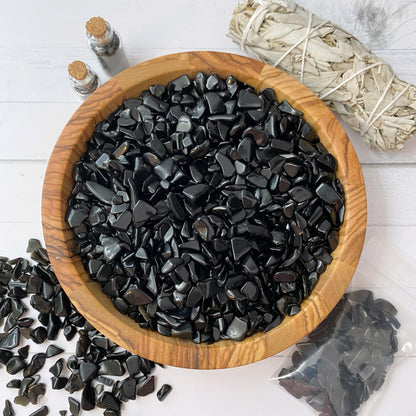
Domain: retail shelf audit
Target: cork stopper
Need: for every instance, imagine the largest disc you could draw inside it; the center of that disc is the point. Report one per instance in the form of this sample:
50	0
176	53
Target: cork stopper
78	70
96	27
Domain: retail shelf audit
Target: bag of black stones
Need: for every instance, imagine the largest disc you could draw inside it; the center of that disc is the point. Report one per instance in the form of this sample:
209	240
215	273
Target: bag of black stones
341	367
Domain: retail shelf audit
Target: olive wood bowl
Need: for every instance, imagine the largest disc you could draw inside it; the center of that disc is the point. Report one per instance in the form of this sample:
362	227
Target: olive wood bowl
86	294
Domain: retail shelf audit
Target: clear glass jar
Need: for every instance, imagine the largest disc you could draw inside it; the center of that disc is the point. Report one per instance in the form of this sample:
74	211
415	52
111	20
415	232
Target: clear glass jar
84	80
106	45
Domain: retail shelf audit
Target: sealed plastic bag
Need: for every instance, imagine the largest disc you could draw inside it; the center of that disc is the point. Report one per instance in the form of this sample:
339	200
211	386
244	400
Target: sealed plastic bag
341	367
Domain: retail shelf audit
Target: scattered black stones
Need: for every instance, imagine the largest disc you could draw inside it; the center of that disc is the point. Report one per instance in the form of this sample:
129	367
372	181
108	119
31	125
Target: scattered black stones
346	358
96	356
193	186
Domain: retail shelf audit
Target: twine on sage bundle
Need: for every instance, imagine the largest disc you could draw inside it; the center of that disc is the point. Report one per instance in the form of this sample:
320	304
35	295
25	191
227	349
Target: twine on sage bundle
337	67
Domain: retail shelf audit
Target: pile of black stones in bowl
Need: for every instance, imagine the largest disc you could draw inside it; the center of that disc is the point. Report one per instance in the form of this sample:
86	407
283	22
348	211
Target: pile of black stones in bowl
35	310
206	210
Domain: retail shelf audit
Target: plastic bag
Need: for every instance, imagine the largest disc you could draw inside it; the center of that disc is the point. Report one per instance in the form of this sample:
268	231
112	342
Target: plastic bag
341	367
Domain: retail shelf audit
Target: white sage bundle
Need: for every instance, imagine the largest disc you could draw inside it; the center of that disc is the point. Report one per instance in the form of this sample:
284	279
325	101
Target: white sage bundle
348	77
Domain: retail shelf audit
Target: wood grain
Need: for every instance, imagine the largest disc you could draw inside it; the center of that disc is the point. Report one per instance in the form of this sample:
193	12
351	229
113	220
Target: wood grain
86	294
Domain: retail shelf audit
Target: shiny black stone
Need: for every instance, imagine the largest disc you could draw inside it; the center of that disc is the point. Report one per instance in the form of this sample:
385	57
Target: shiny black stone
165	303
155	103
259	136
8	409
204	228
288	209
208	288
327	194
292	169
163	392
13	384
171	265
129	388
196	193
88	397
239	247
101	192
146	387
56	369
179	84
175	205
133	365
53	327
74	406
246	149
285	276
111	368
5	355
248	99
37	362
135	296
61	304
12	339
285	107
249	265
142	212
43	411
87	371
69	332
237	329
327	161
15	364
250	290
258	180
214	102
194	296
227	167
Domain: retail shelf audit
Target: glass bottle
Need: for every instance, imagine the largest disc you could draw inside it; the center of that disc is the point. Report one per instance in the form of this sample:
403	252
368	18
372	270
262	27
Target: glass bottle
105	43
83	79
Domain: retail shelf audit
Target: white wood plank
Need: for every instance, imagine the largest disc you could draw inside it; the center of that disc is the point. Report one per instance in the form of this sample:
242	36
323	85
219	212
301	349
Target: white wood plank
390	199
21	187
386	24
389	194
15	236
30	130
150	24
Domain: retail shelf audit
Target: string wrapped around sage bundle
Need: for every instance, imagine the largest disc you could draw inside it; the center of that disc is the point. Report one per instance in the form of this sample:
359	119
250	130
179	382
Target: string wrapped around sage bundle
341	71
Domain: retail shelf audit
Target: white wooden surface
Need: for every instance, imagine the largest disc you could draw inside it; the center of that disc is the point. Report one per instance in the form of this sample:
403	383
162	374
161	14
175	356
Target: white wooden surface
40	38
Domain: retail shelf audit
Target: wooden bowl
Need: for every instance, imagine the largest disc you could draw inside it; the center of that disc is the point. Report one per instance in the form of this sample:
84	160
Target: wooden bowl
97	308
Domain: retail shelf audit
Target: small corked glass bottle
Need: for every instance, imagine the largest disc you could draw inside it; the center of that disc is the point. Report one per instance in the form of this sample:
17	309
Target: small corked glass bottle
83	79
105	43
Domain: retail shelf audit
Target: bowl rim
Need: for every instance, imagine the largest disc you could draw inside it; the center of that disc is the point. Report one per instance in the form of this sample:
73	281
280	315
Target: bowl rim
97	307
